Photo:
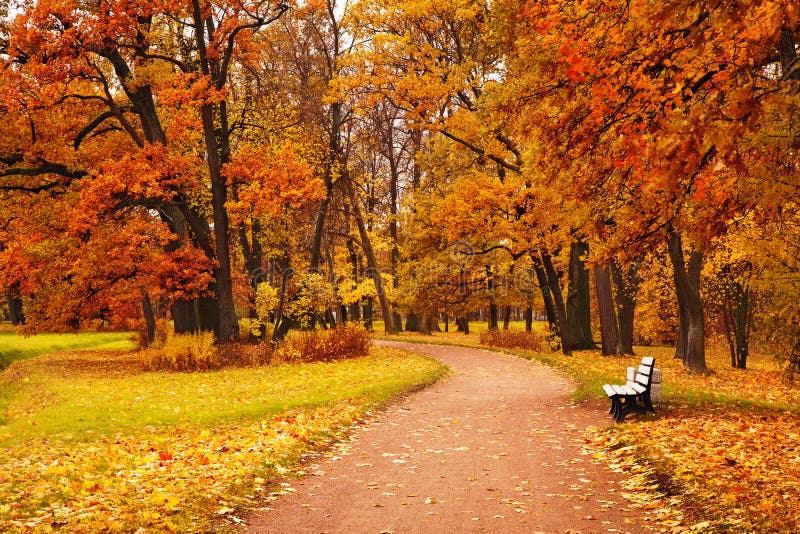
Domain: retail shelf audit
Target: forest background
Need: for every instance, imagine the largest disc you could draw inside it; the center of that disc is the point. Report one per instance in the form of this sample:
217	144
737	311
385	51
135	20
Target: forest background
251	167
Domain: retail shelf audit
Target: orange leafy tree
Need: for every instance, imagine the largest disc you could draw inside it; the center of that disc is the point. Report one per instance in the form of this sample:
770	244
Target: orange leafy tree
645	107
124	108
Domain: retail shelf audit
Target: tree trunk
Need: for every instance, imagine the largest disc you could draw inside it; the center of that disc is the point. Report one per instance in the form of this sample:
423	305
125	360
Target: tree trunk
554	283
217	144
184	320
742	328
490	288
334	153
393	230
426	325
319	231
149	320
609	329
737	314
282	323
579	311
547	295
463	324
372	262
15	312
492	321
355	312
368	313
506	317
529	319
687	289
226	328
627	286
413	322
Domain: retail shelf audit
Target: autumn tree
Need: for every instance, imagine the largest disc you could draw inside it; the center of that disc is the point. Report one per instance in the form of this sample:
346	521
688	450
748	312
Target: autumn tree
652	101
157	75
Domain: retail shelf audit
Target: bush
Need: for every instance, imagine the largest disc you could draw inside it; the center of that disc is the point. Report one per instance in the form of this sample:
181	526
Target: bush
198	352
512	340
348	341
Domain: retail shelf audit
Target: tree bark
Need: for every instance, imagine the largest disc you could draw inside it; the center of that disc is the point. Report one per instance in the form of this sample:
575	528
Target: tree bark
687	289
627	286
736	311
787	54
579	312
413	322
184	320
463	324
394	177
227	328
149	319
529	319
282	322
609	329
368	314
15	312
547	295
506	317
490	289
554	283
334	154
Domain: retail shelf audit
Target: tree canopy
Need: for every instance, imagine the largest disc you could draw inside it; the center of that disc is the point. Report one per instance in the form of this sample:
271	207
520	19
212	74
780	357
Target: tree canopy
622	165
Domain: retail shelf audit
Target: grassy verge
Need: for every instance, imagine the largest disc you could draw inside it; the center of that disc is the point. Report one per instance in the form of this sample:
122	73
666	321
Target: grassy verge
91	443
723	453
15	347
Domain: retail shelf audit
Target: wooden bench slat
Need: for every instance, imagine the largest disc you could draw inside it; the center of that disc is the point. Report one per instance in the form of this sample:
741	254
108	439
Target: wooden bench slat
634	395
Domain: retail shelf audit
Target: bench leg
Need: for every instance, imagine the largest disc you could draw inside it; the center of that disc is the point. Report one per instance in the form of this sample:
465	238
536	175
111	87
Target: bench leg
648	403
628	405
616	406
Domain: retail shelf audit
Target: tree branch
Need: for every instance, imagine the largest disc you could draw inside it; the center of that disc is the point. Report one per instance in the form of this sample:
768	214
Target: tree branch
481	152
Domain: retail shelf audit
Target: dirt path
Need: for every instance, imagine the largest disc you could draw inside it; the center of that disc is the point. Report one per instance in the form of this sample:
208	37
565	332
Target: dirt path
494	448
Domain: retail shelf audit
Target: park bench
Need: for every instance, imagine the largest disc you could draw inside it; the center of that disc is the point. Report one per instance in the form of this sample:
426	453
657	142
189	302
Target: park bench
634	396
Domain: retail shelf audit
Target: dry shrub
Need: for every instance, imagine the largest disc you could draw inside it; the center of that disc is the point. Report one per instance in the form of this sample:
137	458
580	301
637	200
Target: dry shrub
198	352
509	339
347	341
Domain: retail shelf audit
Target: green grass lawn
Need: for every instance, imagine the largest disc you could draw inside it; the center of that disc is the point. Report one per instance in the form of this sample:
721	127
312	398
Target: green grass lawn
15	347
89	442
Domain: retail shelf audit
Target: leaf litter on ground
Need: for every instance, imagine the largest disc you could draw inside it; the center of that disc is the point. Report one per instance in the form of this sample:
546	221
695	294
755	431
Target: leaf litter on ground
178	477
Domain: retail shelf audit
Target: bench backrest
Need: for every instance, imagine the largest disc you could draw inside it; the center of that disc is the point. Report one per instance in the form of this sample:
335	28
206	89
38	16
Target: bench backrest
644	374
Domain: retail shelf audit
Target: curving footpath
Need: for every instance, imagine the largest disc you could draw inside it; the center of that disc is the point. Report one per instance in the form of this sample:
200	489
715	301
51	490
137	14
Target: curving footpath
496	447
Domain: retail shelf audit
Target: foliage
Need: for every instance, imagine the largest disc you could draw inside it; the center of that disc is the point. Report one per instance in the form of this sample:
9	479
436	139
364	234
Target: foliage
198	352
313	296
183	352
510	339
112	448
717	468
656	307
340	343
350	292
267	299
